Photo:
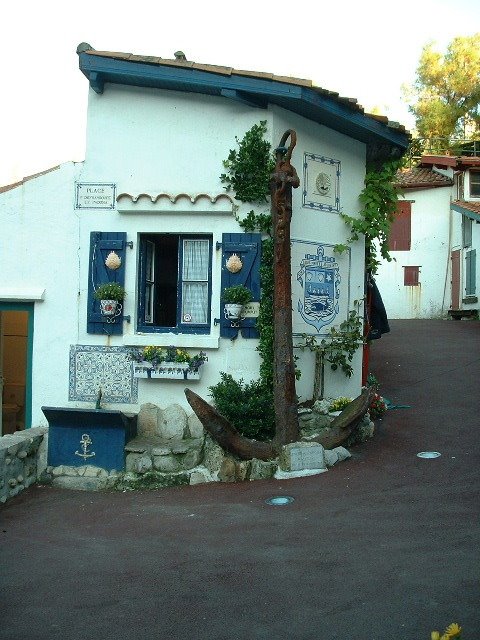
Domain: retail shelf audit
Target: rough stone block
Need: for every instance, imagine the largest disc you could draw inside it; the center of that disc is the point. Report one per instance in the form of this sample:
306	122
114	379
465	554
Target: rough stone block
131	461
173	423
195	427
342	453
143	464
81	483
227	472
166	464
91	471
162	451
261	470
201	475
180	447
298	456
213	455
190	459
58	471
331	457
147	421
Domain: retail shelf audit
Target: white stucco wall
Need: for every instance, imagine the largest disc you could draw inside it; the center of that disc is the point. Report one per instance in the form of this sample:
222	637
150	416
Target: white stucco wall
431	244
147	141
39	251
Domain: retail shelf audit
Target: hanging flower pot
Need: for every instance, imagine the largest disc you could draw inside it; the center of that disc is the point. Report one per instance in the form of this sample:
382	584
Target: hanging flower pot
235	298
233	311
110	296
109	307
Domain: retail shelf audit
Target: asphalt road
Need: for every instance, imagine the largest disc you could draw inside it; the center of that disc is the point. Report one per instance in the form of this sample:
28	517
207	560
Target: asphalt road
383	546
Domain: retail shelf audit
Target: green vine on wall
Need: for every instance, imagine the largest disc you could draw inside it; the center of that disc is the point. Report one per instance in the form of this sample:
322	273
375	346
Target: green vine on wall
249	167
379	202
338	348
248	171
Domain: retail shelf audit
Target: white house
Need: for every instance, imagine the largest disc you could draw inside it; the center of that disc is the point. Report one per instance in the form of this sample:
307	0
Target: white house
149	191
433	241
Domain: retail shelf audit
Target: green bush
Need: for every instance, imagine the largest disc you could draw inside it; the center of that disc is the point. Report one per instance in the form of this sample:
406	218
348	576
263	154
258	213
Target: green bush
110	291
237	295
248	406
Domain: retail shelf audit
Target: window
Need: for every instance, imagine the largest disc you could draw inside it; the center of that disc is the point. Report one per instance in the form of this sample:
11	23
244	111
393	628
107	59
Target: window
174	283
470	273
475	184
400	231
466	231
411	276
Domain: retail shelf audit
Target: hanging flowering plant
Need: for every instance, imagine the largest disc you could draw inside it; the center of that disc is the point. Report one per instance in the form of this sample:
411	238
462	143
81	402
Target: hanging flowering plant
156	355
378	407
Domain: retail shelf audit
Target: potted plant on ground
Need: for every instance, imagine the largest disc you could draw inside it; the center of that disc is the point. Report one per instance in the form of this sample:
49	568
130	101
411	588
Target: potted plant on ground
235	298
111	296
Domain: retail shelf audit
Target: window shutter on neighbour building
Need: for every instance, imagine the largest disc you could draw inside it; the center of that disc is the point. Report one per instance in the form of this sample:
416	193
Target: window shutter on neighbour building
101	244
470	273
411	276
248	247
401	229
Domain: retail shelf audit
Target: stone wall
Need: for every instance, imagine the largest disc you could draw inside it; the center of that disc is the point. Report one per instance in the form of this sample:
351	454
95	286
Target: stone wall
23	458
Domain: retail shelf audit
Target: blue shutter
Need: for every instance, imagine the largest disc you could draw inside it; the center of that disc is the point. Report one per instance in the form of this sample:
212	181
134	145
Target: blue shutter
248	247
470	273
101	243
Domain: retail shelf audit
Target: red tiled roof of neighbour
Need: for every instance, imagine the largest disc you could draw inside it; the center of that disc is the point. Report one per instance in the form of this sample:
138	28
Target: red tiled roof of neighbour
422	178
458	162
14	185
474	207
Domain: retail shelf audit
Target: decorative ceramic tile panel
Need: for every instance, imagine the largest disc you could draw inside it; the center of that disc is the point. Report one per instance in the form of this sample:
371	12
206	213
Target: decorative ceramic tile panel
320	287
321	183
110	368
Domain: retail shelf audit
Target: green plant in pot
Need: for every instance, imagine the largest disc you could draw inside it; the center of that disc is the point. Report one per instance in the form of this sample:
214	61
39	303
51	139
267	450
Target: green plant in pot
235	298
110	295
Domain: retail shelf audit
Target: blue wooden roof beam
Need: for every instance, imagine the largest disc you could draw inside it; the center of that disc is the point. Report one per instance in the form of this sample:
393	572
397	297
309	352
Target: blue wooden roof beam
383	141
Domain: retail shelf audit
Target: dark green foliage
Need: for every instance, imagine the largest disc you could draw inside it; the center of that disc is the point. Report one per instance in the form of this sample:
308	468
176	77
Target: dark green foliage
248	169
379	202
247	406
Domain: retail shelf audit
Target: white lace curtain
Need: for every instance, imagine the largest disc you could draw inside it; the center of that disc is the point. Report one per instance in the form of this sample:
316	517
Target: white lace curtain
195	281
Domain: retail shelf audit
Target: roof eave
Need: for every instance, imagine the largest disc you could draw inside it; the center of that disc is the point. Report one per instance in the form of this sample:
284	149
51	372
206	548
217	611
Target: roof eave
466	212
383	142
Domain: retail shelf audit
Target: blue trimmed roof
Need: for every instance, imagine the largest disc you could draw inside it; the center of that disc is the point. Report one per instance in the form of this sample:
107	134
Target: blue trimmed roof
384	139
468	209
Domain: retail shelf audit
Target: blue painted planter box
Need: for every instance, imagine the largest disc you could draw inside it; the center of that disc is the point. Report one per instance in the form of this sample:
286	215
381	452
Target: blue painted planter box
78	437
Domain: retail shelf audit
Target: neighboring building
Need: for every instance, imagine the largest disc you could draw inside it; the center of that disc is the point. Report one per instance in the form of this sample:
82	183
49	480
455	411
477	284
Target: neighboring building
433	241
149	190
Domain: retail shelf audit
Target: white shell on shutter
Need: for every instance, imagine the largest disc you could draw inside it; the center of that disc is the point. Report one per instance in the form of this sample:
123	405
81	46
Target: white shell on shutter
234	264
113	261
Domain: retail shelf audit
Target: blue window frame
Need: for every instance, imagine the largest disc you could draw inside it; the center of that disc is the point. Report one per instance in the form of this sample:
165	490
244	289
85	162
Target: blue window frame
174	284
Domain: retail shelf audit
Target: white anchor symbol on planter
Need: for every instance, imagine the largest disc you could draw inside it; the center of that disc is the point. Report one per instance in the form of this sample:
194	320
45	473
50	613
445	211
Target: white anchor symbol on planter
85	441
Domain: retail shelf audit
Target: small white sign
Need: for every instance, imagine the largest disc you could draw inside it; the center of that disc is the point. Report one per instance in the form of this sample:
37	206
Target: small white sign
251	310
95	195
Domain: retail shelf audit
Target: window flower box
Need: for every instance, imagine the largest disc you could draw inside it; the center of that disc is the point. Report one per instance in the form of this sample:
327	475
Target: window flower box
166	370
170	363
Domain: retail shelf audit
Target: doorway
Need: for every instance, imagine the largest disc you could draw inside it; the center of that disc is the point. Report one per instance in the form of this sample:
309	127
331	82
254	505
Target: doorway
16	340
455	256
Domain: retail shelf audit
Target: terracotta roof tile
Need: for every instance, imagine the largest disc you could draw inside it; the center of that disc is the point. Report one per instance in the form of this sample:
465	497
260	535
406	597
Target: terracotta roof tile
421	177
14	185
229	71
474	207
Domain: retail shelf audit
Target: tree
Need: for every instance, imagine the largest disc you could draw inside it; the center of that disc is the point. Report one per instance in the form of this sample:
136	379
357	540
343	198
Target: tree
446	92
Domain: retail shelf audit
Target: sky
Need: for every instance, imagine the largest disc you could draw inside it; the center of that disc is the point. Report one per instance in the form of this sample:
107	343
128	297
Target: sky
364	50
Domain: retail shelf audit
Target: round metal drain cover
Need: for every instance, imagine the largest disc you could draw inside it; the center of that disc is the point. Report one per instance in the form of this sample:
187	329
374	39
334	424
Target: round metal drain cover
278	501
428	454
